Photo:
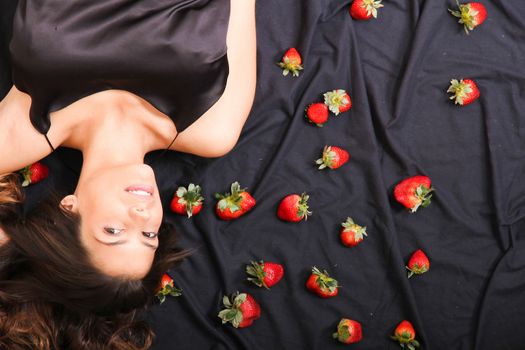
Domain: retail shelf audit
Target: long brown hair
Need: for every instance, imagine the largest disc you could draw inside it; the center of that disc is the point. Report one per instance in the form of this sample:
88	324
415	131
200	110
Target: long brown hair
52	297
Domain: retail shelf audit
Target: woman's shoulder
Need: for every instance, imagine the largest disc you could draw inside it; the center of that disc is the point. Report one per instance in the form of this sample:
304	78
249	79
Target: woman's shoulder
22	144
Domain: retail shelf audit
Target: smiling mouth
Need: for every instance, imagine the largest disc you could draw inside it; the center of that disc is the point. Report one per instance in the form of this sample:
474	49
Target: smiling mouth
140	190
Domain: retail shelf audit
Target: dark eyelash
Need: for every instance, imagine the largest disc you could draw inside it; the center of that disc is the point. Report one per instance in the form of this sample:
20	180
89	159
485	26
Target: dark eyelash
147	234
110	230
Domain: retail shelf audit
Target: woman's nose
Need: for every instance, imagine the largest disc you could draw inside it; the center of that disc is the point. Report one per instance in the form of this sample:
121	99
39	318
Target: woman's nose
139	212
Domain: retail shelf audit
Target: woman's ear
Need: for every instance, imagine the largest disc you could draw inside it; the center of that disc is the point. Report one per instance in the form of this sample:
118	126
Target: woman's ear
3	237
69	203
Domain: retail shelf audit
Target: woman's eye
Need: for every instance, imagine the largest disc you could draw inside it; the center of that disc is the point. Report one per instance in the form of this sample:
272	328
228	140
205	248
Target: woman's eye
112	231
150	234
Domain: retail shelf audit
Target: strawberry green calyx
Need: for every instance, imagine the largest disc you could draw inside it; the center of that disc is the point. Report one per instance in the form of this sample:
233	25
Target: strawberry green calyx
290	65
348	331
333	157
371	7
424	194
404	341
418	263
26	174
460	89
302	206
256	270
231	200
291	62
416	270
469	15
335	99
342	334
328	158
232	312
189	197
240	310
324	281
350	225
405	335
168	289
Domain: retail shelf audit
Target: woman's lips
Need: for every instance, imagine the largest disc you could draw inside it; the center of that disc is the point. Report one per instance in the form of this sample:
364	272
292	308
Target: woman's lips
140	190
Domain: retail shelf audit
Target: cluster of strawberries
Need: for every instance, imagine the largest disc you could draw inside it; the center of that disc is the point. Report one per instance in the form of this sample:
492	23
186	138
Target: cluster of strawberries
336	101
230	206
471	15
413	192
237	202
241	309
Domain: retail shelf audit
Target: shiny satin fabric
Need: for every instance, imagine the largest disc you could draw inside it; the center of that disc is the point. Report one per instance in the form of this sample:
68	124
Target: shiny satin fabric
171	53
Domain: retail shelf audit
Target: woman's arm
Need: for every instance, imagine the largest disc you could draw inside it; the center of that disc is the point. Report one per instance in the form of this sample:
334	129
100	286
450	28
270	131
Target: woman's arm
216	132
21	143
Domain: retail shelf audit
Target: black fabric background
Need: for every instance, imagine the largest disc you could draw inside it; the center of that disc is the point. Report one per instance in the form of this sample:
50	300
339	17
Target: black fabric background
397	69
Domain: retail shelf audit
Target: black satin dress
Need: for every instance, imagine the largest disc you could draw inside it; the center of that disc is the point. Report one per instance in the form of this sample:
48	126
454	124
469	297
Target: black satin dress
172	53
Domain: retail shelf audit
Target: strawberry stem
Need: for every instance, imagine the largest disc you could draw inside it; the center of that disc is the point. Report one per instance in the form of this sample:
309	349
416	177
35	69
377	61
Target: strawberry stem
256	270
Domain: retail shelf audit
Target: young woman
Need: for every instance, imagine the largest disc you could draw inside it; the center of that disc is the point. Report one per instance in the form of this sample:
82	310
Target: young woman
52	296
114	80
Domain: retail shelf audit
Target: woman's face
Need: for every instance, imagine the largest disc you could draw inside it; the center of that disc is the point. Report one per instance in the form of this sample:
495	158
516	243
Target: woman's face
121	214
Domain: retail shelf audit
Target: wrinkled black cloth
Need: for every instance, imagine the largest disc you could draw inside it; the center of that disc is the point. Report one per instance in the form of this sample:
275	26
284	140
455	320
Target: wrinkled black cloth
171	53
397	70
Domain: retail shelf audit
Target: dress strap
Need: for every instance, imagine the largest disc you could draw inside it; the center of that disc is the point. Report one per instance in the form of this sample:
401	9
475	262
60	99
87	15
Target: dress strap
49	143
70	168
172	142
165	150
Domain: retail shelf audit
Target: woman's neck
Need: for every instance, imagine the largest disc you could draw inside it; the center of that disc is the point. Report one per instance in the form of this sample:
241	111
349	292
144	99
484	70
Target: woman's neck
114	141
112	128
109	119
113	147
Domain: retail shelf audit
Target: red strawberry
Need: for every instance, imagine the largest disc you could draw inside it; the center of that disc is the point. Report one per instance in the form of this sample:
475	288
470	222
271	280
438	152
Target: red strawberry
294	208
338	101
414	192
352	234
405	335
265	274
167	288
333	157
241	310
465	91
471	14
322	284
317	113
232	205
418	263
247	201
348	331
365	9
187	201
34	173
291	62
